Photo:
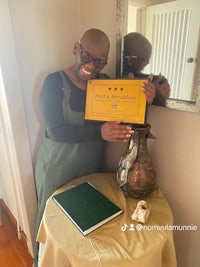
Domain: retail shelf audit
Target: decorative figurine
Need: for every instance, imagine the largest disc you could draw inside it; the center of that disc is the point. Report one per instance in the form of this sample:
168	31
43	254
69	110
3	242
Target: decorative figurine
142	212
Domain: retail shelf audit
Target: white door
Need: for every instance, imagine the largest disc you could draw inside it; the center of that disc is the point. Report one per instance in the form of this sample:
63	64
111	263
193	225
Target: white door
173	30
6	176
8	184
16	175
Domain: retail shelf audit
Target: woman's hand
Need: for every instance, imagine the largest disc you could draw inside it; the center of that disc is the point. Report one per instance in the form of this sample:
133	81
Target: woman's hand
162	87
116	132
149	89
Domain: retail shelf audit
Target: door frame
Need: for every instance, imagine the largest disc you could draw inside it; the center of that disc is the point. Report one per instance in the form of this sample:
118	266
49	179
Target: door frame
15	130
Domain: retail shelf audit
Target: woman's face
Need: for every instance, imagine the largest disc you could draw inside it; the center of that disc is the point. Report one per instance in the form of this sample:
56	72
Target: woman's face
90	59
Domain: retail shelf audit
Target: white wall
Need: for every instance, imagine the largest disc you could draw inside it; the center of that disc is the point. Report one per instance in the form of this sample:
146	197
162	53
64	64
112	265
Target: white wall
101	15
45	32
176	156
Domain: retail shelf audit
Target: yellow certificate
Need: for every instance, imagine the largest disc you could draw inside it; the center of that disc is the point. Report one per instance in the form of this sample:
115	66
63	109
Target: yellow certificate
115	100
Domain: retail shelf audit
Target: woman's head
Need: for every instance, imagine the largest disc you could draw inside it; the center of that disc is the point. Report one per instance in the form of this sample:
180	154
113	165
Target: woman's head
91	53
136	54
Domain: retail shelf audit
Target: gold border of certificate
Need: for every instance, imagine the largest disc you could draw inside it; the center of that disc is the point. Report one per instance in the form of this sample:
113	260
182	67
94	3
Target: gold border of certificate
115	100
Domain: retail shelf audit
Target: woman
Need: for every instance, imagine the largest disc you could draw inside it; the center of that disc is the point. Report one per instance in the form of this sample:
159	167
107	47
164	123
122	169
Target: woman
72	147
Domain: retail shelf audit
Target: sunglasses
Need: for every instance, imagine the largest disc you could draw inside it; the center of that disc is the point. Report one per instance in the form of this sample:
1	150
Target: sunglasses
139	59
87	58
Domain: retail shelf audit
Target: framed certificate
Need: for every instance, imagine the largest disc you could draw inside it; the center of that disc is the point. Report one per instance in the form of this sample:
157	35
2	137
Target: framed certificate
115	100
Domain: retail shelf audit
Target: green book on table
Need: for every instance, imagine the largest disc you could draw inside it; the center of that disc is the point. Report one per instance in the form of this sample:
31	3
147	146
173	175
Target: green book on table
86	207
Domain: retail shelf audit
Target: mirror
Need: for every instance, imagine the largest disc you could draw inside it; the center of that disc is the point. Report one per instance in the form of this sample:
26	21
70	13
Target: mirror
177	45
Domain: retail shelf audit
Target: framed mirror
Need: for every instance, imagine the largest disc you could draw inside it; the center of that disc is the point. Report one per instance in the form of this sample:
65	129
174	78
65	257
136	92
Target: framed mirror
173	28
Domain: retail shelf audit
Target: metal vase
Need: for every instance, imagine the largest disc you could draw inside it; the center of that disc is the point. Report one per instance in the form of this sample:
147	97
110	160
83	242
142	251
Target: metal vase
136	175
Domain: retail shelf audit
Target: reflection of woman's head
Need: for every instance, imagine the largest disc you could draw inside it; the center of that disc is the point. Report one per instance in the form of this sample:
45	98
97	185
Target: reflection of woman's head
137	52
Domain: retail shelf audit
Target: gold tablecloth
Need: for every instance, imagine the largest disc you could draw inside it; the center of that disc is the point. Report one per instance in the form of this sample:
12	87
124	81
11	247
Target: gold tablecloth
113	244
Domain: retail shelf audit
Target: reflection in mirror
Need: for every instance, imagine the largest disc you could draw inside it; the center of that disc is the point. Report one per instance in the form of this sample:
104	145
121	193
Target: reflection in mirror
172	27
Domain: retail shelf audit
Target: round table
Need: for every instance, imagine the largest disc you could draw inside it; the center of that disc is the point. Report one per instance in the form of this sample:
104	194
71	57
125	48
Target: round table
120	242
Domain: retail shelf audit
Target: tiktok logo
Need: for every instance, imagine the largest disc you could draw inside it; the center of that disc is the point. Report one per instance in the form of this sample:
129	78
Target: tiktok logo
125	226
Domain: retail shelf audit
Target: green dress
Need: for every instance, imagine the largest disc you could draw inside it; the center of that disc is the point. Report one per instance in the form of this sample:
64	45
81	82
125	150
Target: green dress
60	162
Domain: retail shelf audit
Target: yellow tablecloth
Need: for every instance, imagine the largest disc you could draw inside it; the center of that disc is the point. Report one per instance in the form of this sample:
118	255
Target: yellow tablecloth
112	244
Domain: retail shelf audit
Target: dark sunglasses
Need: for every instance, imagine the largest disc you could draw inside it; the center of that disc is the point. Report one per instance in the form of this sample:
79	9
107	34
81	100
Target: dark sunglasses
139	59
87	58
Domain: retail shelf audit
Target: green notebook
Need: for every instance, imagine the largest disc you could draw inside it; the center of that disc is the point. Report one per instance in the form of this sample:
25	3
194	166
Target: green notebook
86	207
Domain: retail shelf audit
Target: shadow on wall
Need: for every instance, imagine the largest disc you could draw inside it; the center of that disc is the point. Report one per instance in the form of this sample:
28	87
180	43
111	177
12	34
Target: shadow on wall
112	154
